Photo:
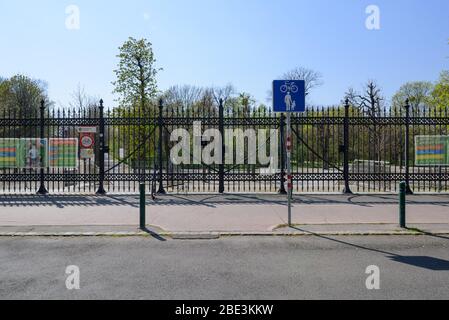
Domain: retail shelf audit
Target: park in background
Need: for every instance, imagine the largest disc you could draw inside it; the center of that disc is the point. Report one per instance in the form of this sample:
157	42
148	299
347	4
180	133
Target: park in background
136	148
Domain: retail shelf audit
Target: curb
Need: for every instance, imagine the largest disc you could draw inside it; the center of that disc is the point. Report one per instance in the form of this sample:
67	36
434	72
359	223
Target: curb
217	235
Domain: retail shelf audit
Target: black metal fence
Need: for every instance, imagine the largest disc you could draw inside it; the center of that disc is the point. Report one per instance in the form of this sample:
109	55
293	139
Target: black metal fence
338	149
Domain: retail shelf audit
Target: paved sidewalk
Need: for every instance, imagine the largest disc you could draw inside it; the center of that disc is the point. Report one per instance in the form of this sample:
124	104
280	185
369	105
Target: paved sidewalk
223	213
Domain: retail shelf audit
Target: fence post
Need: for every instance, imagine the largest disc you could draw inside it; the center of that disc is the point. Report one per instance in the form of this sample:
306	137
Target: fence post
408	190
101	190
160	158
282	135
347	189
142	206
223	149
42	190
402	193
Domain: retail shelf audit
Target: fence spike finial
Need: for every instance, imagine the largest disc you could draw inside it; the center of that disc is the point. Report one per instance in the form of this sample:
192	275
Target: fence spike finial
407	103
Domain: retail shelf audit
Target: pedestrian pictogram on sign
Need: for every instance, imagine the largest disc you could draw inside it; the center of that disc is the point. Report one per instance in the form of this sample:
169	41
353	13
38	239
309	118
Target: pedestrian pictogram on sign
289	96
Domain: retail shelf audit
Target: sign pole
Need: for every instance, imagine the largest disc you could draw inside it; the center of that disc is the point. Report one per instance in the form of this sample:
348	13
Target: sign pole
288	96
289	168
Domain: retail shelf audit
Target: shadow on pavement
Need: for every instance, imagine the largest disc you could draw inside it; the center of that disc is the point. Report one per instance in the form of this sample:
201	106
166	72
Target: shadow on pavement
212	200
154	234
62	201
425	262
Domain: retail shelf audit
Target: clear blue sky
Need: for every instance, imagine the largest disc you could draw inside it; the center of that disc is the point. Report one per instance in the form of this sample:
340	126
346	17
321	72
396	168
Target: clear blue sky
214	42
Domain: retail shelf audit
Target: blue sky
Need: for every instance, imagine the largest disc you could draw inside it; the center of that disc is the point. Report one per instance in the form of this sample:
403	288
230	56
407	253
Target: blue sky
214	42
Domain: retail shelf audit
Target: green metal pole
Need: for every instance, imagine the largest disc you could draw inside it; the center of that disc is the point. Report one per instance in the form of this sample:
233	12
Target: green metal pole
42	189
402	195
142	207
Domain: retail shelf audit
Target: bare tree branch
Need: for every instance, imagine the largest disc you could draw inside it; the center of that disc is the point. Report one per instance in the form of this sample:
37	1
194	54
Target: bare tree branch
312	79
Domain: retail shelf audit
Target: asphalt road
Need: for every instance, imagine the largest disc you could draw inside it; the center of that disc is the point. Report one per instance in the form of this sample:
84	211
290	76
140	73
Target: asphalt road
411	267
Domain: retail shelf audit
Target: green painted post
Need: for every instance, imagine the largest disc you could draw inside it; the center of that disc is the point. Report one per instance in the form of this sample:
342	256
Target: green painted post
402	194
142	206
42	189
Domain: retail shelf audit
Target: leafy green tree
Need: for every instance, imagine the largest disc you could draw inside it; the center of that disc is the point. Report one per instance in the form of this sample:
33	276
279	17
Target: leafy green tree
440	93
136	73
417	92
139	142
137	87
22	95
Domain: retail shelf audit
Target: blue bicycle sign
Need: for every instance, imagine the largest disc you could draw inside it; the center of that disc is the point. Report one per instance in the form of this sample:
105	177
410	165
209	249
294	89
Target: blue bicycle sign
289	96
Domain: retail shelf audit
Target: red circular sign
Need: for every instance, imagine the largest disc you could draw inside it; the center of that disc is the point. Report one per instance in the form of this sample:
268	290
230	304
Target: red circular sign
87	140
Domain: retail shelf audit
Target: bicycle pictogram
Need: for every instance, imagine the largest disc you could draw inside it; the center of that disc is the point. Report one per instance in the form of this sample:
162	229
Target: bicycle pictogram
289	87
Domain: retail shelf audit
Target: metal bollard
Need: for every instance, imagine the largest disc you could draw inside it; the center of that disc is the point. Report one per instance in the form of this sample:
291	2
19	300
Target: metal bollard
402	195
142	207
